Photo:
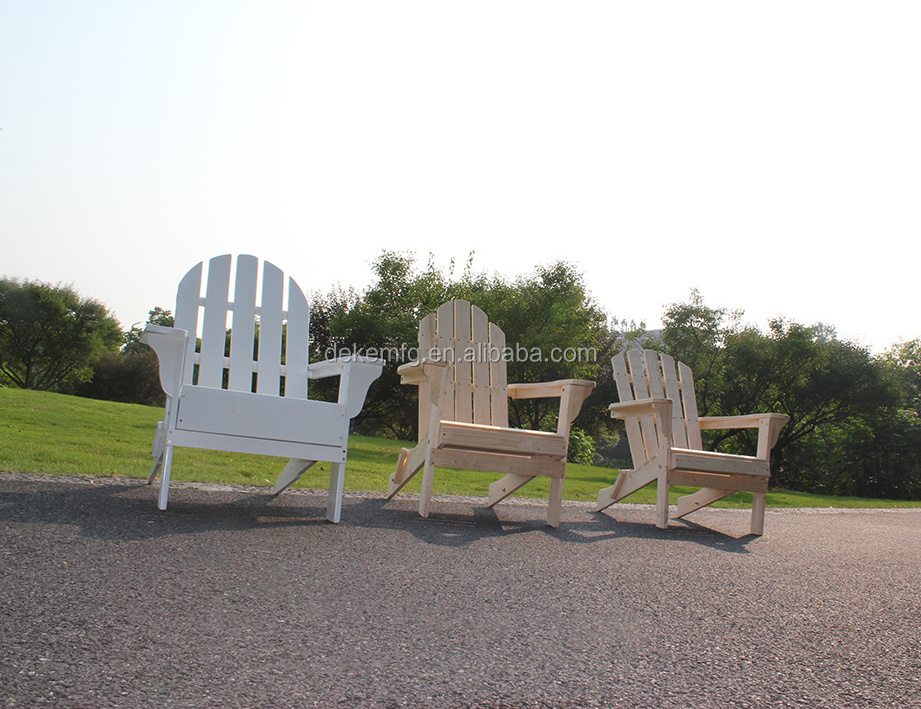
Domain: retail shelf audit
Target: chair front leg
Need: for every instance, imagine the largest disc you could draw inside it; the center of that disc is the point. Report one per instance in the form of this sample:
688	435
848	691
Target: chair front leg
662	500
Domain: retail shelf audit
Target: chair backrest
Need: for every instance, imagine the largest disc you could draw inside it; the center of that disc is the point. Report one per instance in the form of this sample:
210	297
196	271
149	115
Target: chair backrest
641	374
238	341
476	390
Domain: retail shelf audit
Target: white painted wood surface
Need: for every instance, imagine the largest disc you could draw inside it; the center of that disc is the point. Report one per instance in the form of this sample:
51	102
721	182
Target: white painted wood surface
252	398
659	409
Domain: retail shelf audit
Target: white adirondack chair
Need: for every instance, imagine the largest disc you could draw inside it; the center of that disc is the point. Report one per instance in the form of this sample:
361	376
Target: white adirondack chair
251	396
659	408
463	411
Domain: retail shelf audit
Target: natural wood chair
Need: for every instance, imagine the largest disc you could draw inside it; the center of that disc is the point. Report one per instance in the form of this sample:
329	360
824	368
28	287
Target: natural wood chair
244	389
463	411
658	405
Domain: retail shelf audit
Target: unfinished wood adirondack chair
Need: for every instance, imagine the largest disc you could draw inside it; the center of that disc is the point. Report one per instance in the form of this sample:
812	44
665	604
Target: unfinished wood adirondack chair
245	390
659	409
463	411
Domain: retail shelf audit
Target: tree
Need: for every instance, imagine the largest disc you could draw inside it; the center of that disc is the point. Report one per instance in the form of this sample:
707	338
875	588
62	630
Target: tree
805	372
50	336
157	316
132	375
830	389
553	328
382	321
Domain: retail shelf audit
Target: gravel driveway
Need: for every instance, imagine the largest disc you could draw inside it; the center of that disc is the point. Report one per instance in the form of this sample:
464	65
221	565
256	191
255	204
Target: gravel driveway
234	599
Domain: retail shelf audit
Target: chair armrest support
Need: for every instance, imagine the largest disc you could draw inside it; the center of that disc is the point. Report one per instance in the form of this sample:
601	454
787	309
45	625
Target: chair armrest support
429	376
571	392
355	377
660	409
768	426
169	344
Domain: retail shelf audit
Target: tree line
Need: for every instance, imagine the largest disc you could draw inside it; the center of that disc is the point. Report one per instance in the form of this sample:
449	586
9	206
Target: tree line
854	427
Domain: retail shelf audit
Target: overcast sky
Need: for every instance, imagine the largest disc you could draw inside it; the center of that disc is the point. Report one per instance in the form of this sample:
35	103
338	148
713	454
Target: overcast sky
767	154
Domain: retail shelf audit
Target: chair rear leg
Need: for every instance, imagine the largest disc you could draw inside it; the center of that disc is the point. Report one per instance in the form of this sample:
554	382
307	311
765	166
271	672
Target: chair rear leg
336	487
505	486
164	477
154	469
628	482
291	473
409	463
157	453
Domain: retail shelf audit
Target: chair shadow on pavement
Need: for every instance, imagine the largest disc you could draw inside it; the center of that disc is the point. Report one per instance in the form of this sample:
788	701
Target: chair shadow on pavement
458	529
127	511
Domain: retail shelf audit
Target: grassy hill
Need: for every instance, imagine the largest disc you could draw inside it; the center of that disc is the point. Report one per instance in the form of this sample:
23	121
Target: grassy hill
41	432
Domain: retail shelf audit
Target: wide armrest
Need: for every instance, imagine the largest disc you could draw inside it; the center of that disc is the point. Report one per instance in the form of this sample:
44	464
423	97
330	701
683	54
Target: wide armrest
543	390
747	421
356	375
641	407
421	371
169	343
335	367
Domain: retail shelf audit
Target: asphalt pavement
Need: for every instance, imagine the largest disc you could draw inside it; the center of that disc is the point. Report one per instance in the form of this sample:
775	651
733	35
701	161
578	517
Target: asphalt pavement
233	598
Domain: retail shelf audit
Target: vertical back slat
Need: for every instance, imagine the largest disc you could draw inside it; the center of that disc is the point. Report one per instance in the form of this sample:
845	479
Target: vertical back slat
654	374
427	343
243	325
297	345
673	392
498	378
188	302
637	361
482	409
445	343
463	368
689	401
214	327
268	379
632	423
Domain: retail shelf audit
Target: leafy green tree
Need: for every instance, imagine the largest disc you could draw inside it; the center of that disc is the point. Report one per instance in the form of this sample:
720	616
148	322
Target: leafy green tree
904	362
555	330
131	375
817	380
157	316
50	336
553	327
829	388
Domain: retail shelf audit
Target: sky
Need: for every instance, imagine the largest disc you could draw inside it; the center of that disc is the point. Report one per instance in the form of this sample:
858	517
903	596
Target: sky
766	154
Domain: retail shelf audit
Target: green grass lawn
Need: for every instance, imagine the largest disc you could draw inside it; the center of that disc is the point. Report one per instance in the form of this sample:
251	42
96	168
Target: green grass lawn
41	432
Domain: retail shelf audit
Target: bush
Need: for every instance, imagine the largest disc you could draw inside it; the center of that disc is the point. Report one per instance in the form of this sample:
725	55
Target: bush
132	378
581	447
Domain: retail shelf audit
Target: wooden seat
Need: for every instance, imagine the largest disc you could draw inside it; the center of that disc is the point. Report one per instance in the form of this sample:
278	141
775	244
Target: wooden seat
241	385
463	411
658	406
